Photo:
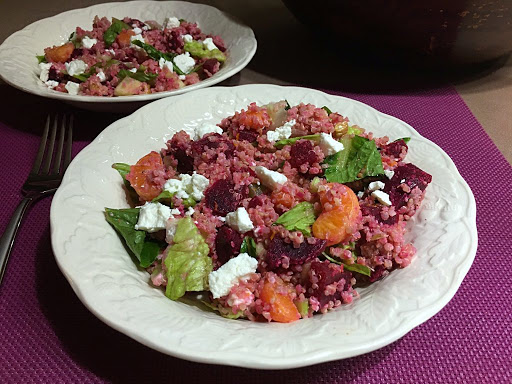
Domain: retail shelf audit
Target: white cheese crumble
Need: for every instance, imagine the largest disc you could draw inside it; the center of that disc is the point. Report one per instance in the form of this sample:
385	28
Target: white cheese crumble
190	211
389	174
187	186
182	77
111	51
209	44
137	30
185	62
153	217
101	76
239	220
270	179
187	38
136	37
329	145
374	185
88	43
171	22
281	133
44	71
72	87
207	128
76	67
165	64
360	194
382	197
133	70
51	84
223	279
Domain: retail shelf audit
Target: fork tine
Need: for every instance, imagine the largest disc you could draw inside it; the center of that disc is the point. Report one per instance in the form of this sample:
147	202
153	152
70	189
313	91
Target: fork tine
69	144
51	144
42	145
60	146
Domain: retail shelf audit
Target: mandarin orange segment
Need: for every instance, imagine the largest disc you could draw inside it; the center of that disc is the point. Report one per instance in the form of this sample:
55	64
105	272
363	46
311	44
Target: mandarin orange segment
123	39
282	308
280	197
59	54
141	176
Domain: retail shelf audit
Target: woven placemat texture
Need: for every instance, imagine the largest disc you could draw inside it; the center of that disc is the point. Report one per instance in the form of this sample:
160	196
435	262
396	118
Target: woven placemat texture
48	336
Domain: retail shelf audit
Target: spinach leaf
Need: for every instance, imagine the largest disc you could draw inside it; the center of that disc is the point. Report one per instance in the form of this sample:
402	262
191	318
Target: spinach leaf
281	143
405	139
123	221
326	109
155	54
248	246
164	195
358	159
115	29
140	75
288	106
362	269
82	77
299	218
41	59
123	170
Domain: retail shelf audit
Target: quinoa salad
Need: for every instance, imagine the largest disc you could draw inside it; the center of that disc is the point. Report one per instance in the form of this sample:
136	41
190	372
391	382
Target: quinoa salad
131	57
277	213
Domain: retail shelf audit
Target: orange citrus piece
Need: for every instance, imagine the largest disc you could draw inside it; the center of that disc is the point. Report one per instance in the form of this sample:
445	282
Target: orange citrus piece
282	308
141	176
59	54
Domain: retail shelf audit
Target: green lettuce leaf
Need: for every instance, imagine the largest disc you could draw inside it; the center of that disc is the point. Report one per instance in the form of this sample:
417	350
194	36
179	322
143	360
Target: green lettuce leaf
196	49
84	76
164	195
155	54
188	264
405	139
359	157
352	130
143	248
302	307
140	75
248	246
228	314
326	109
41	59
299	218
115	29
362	269
288	106
281	143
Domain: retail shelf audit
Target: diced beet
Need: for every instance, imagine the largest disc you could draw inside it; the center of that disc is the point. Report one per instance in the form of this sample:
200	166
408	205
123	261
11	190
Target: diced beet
213	141
249	136
279	249
410	175
325	274
178	148
222	198
256	201
227	244
211	67
395	148
377	273
217	40
54	75
374	210
76	53
302	153
136	22
175	41
362	184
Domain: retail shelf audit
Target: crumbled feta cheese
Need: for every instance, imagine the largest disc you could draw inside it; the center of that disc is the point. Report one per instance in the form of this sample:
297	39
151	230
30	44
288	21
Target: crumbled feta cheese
382	197
187	186
209	44
133	70
136	37
223	279
281	133
402	181
153	217
44	71
137	30
207	128
88	43
270	179
360	194
72	87
329	145
187	38
111	51
182	77
51	84
171	22
101	76
239	220
190	211
146	27
223	219
75	67
389	174
373	186
165	64
185	62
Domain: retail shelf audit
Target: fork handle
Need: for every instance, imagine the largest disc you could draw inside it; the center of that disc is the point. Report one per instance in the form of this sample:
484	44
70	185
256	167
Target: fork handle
7	239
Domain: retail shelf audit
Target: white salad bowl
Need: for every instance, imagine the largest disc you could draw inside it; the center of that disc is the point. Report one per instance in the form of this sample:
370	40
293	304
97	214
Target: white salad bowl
109	283
20	67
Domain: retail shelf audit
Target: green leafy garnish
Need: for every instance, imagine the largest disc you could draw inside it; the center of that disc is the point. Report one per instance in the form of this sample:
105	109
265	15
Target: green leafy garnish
92	70
188	264
281	143
140	75
287	106
299	218
155	54
164	195
302	307
326	109
358	159
226	312
405	139
352	130
41	59
115	29
248	246
143	248
82	77
359	268
196	49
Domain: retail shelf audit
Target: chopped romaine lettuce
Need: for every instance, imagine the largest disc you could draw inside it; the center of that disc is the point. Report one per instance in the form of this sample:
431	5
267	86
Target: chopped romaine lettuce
302	307
225	312
299	218
196	49
353	130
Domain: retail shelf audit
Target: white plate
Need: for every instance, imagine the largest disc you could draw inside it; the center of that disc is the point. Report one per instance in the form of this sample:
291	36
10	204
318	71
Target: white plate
18	52
108	282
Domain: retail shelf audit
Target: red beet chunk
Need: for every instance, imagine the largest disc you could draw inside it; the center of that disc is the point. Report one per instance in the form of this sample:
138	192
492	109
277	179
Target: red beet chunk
410	175
213	141
217	40
175	41
178	148
325	274
76	53
211	67
374	210
249	136
227	244
222	198
279	249
302	153
395	149
54	75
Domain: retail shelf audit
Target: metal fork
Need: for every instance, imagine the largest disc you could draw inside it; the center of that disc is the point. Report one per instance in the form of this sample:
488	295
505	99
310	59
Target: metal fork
43	179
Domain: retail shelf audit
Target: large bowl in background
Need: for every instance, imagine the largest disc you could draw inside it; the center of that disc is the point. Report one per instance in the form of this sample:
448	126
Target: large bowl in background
18	52
431	32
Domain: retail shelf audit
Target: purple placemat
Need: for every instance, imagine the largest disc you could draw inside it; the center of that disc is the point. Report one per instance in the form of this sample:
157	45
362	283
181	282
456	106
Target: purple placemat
47	335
